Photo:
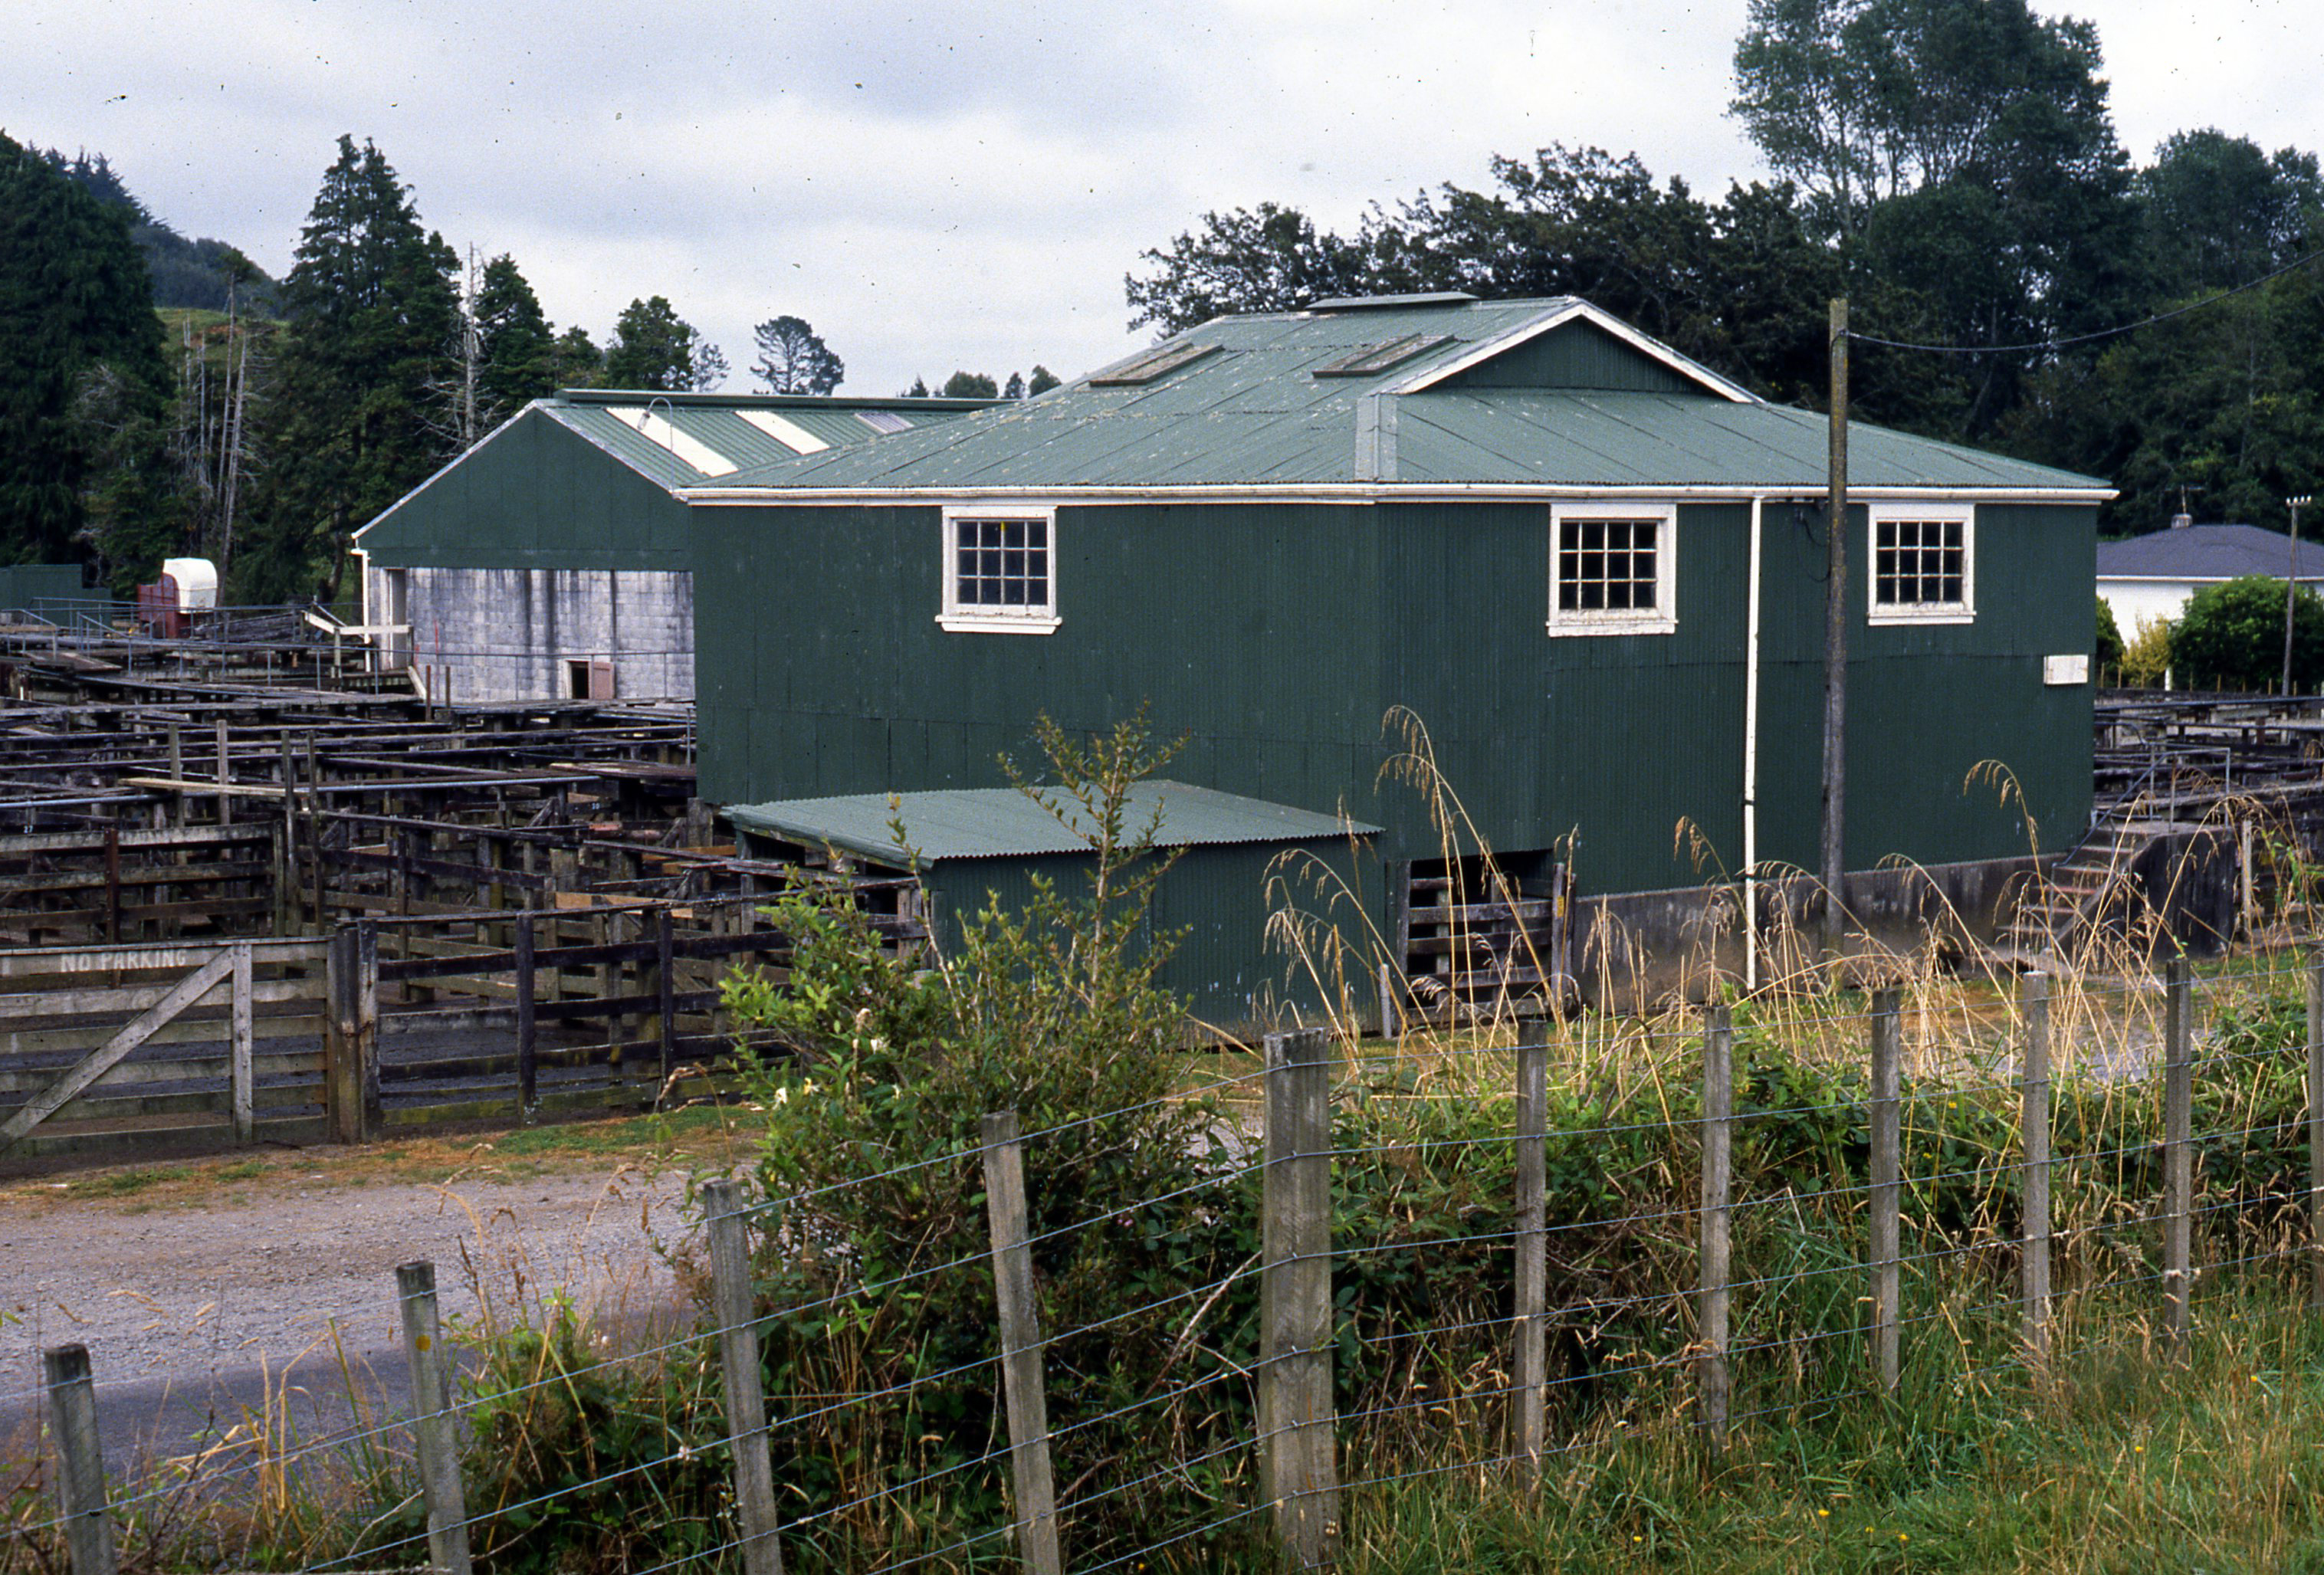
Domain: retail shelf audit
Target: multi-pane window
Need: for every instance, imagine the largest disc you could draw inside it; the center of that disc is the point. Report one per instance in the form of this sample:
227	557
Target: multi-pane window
1001	571
1001	563
1606	566
1610	571
1922	565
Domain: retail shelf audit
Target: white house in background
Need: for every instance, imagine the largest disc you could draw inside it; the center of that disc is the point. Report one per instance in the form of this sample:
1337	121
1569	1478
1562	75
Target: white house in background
2149	579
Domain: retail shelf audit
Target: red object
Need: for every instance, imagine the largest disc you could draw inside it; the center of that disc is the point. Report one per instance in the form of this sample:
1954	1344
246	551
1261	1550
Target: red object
158	609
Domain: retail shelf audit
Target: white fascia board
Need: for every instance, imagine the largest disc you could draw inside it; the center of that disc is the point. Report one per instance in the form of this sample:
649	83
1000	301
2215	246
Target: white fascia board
1582	311
445	469
1364	493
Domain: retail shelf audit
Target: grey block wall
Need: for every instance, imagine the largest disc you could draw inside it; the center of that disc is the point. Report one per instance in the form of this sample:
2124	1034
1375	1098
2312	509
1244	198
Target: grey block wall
506	634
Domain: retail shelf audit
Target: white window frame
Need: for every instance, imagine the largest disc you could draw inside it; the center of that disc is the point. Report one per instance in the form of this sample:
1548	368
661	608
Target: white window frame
1957	613
956	618
1663	619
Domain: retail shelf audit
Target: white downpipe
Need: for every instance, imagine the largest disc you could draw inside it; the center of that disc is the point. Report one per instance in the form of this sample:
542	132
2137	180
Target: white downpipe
1751	762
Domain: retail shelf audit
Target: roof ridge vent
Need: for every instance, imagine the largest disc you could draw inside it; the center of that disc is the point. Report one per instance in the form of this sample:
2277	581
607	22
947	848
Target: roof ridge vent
1359	303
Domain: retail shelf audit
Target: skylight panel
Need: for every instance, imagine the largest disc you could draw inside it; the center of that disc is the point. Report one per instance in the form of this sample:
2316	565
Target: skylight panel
884	421
1154	364
1378	358
685	445
790	434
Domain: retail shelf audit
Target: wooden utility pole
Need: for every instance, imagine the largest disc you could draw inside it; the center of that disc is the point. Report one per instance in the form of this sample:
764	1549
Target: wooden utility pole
2292	587
1835	641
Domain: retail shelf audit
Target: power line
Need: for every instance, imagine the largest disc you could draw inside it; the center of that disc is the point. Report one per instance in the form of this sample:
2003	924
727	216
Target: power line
2294	266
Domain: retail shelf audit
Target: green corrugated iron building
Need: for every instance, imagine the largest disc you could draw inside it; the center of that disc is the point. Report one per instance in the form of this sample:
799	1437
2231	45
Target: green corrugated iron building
1514	545
1520	526
551	560
973	846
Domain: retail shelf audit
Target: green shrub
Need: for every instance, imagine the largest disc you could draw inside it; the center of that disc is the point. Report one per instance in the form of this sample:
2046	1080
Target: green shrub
2231	636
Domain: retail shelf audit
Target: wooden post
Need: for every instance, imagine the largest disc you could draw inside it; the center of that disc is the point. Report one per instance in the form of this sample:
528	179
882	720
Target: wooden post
2177	1153
177	774
112	882
1717	1200
314	826
432	1420
1021	1372
1387	1002
81	1475
1888	1169
1833	842
666	987
2316	1130
351	1043
1529	1361
734	1305
527	1068
2033	1261
224	777
293	876
1298	1472
238	1071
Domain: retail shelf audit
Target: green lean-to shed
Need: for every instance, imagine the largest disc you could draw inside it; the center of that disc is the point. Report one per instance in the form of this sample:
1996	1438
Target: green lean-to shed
45	590
976	847
1514	549
550	561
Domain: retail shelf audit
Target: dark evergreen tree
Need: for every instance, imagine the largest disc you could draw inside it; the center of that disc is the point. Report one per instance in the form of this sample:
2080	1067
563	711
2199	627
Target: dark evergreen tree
84	386
793	359
574	361
918	391
1014	389
1042	381
199	274
653	348
517	355
970	385
373	338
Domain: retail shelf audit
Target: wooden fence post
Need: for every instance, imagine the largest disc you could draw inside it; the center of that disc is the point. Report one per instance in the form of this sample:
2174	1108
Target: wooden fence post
1717	1199
666	990
2316	1130
293	892
351	1040
1298	1471
734	1303
1023	1380
2178	1153
1888	1170
2033	1261
81	1476
226	799
527	1063
432	1421
239	1047
1529	1360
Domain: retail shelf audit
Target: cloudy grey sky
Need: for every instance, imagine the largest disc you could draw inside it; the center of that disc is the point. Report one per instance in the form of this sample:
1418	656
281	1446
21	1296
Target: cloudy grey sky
941	186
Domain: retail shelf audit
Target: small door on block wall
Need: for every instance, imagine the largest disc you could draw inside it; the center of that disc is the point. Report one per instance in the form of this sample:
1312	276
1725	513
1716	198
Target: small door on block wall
589	680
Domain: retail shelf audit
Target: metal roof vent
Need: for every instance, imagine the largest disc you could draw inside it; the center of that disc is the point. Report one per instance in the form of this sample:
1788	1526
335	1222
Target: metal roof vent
1379	357
1361	303
1154	364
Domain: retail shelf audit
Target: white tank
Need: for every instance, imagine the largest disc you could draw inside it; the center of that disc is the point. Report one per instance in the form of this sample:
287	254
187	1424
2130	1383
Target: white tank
196	581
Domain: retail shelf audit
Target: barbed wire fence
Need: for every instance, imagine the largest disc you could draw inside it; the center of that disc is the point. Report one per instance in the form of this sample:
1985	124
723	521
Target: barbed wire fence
1685	1248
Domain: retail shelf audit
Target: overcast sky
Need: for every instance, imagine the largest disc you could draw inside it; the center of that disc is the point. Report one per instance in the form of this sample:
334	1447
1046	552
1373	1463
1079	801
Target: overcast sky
942	186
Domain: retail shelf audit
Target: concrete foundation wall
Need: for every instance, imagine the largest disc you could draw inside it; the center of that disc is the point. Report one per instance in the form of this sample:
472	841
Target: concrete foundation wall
507	634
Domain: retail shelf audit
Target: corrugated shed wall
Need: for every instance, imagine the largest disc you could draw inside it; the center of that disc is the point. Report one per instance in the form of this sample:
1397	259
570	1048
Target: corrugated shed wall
1276	636
23	584
1235	977
536	496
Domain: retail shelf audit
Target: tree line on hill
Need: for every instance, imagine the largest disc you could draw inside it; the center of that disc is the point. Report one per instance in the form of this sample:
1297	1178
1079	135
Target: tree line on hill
1951	166
259	422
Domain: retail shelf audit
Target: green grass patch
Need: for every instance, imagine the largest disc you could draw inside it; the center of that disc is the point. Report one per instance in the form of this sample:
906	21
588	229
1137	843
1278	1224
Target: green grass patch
586	1138
123	1184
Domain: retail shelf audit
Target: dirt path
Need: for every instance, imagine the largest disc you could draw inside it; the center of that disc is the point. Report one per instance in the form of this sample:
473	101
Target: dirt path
198	1288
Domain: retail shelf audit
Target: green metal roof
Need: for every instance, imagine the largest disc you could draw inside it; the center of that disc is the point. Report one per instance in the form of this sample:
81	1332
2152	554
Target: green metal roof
995	823
1255	412
720	424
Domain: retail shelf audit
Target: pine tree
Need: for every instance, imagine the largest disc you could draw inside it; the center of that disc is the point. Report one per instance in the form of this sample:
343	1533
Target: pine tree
517	350
574	361
1043	381
793	359
84	384
375	323
653	348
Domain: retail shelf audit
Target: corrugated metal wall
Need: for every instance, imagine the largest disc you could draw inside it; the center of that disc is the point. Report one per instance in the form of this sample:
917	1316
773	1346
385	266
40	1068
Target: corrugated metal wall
536	496
1276	636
